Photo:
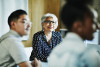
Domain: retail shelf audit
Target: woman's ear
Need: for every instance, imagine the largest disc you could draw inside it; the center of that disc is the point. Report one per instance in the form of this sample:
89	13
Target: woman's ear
43	25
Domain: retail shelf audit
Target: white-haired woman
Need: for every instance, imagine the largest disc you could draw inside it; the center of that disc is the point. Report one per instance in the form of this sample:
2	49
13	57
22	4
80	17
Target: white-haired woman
44	41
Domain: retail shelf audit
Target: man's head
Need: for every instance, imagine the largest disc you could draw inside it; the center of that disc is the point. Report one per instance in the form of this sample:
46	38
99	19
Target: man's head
19	22
79	19
80	2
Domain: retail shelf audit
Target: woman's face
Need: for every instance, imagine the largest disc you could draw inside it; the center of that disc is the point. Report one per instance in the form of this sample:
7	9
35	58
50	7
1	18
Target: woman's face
49	24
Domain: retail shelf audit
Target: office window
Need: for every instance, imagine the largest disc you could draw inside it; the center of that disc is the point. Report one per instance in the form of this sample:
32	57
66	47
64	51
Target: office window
6	8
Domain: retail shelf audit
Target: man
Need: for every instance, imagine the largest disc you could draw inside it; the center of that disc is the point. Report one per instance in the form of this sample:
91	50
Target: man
79	20
12	52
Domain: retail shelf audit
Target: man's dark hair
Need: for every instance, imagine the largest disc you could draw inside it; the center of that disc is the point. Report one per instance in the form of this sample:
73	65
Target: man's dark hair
15	15
80	2
71	13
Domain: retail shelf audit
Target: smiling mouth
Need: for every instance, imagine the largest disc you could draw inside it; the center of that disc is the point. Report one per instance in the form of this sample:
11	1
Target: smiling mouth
50	27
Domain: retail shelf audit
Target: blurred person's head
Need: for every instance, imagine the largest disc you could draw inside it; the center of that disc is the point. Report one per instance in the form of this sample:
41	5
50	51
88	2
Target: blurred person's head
79	19
80	2
19	22
49	22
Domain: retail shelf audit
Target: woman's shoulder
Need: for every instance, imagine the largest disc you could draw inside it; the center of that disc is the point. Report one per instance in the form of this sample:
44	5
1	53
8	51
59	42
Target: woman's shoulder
38	33
56	33
57	36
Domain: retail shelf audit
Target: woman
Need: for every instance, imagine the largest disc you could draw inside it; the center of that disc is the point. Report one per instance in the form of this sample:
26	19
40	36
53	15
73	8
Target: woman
44	41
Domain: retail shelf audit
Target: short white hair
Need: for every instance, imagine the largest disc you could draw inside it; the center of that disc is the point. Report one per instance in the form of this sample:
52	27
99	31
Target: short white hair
50	15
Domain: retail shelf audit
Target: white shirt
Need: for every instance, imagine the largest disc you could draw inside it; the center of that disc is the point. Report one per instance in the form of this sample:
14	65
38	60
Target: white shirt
73	53
11	50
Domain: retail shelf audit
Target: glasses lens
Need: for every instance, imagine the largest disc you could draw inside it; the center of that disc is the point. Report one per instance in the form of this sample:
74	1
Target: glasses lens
49	21
28	22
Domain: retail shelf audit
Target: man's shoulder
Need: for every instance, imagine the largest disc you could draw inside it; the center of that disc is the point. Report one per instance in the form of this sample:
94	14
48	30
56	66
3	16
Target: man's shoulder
63	53
10	41
65	47
8	36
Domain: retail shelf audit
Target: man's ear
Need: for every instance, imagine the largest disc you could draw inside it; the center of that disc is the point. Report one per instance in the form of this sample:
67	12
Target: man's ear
12	24
77	26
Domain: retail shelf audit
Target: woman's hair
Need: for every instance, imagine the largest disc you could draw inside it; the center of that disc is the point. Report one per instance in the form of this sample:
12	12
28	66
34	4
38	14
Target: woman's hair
50	15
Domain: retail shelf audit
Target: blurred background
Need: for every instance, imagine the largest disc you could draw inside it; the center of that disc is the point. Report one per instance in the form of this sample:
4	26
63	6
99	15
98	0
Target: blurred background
36	9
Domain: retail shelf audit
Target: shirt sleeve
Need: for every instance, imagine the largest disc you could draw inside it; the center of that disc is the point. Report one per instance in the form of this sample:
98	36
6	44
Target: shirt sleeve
16	50
37	49
90	58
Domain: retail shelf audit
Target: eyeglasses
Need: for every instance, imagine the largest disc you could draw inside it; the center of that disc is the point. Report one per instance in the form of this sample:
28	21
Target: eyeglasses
27	22
50	22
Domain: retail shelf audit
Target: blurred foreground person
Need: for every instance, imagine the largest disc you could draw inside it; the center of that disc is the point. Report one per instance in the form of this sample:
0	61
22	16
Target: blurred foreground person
79	20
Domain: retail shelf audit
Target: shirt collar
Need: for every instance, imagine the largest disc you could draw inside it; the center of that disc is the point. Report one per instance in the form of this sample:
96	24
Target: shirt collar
11	33
14	33
73	36
53	34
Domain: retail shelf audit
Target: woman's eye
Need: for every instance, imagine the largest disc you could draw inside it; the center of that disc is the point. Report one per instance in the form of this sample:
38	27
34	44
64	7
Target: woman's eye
23	21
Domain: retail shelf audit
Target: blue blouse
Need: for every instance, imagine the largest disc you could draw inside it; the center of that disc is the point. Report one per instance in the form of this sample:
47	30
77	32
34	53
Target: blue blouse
41	48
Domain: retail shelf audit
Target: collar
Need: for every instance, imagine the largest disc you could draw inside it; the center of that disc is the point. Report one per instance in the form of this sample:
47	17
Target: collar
14	33
73	36
11	33
53	34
